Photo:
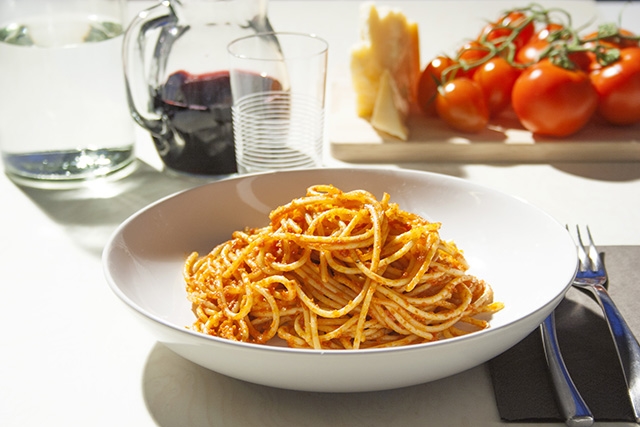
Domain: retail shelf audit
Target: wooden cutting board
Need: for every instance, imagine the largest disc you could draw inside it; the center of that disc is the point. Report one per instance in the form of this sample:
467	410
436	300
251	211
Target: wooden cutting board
353	139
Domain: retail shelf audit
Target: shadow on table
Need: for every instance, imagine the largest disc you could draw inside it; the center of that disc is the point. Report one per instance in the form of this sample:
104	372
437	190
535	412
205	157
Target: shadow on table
613	172
451	169
178	392
91	213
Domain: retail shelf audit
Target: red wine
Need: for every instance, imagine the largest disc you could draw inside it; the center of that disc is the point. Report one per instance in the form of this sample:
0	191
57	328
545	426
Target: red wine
196	110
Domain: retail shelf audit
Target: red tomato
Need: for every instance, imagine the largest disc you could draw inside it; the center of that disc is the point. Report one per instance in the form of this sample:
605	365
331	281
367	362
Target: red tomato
554	101
603	46
430	79
550	29
496	78
532	52
618	88
494	33
498	32
471	54
581	59
623	39
518	20
460	103
620	40
539	43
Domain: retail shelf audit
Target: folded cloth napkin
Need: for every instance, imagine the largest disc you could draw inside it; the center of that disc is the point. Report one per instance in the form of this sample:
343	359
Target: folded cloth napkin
522	386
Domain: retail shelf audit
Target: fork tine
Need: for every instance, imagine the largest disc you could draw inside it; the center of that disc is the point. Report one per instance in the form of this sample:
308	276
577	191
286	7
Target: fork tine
585	262
594	254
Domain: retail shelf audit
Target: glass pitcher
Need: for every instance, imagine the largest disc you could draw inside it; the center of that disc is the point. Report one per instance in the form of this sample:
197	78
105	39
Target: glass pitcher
177	78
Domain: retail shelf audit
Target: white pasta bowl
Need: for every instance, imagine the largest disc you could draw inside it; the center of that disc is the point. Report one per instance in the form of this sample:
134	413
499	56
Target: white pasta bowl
528	258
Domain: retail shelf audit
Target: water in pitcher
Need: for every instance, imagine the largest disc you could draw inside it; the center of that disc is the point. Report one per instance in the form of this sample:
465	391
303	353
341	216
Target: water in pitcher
65	113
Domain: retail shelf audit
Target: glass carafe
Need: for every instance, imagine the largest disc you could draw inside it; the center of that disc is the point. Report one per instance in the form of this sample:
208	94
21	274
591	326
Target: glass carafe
177	78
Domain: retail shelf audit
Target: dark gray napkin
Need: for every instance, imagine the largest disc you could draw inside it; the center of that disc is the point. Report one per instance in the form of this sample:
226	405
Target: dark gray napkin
520	377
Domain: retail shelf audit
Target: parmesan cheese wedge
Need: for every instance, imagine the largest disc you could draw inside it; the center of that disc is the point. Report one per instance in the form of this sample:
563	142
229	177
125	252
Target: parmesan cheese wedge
388	45
386	116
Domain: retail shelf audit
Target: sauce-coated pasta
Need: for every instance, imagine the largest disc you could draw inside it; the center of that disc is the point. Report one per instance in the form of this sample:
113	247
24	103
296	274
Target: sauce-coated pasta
337	270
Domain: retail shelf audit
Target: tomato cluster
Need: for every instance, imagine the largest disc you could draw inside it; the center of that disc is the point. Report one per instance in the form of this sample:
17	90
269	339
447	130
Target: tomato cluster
554	79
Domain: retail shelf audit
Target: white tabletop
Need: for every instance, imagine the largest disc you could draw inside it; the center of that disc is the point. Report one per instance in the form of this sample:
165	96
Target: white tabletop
73	355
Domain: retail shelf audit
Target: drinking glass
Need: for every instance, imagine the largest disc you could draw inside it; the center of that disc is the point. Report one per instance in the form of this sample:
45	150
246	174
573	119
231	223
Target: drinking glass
278	100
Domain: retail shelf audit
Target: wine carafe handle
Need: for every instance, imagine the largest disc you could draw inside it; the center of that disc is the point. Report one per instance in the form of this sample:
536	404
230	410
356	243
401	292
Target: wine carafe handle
136	68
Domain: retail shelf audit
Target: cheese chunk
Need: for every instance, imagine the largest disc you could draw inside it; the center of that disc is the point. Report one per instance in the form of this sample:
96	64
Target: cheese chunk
388	43
386	117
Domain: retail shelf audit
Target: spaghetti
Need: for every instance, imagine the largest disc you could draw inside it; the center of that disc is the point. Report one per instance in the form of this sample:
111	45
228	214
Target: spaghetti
337	270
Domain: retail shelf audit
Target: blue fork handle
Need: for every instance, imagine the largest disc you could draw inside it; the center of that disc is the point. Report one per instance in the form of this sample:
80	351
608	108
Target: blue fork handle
573	407
626	345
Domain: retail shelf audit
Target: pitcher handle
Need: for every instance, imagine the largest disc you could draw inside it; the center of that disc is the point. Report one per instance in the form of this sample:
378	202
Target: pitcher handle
133	56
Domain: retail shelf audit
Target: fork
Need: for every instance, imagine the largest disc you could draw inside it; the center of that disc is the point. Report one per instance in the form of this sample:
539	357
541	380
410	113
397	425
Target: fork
592	277
572	406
